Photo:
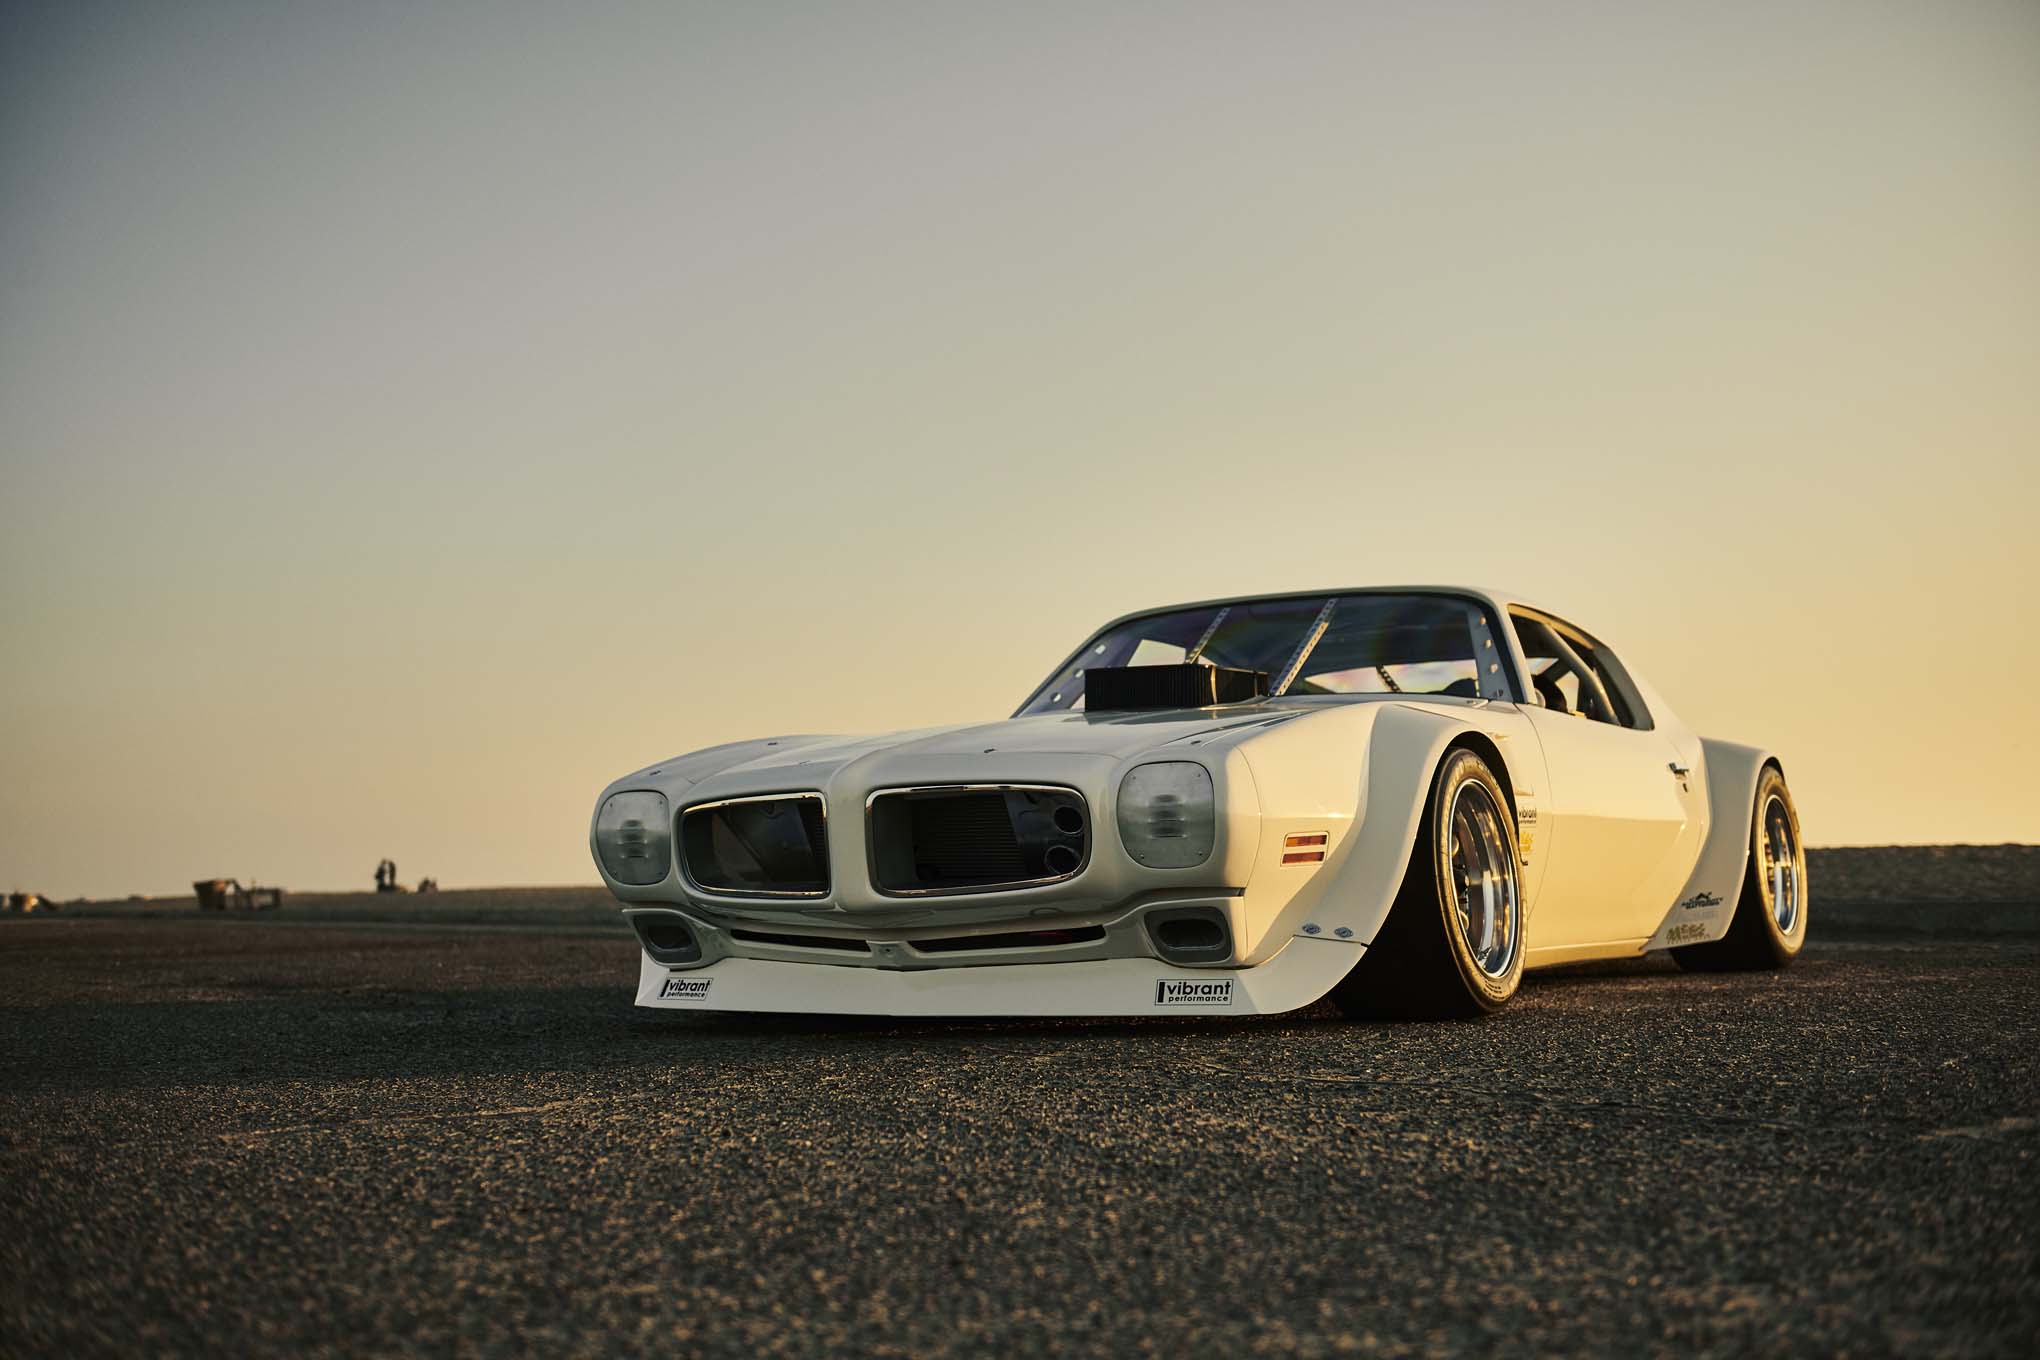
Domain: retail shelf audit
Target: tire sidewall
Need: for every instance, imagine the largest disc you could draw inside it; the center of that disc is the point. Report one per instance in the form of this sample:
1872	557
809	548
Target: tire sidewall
1460	767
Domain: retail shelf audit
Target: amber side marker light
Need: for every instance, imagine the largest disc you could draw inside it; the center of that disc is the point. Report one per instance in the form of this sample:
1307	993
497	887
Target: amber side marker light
1296	848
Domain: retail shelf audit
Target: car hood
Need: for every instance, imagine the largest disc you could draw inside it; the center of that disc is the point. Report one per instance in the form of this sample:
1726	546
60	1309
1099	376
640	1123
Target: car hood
807	760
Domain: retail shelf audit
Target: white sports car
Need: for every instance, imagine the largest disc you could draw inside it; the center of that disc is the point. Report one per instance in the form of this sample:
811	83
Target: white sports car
1399	798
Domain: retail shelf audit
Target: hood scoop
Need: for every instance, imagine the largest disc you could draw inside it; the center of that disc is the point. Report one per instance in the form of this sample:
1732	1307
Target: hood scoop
1126	689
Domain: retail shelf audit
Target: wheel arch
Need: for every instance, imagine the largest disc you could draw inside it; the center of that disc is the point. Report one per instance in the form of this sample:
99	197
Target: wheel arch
1708	899
1406	747
1484	746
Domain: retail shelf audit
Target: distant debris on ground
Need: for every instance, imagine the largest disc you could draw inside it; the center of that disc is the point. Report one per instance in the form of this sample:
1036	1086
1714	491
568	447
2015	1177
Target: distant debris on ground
28	901
386	879
222	894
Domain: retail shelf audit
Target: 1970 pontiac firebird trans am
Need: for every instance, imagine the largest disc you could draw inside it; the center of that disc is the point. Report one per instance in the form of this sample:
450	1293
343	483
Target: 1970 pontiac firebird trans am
1397	798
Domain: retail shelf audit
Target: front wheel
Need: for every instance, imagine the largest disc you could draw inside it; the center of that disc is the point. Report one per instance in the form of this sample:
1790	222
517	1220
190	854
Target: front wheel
1452	946
1769	925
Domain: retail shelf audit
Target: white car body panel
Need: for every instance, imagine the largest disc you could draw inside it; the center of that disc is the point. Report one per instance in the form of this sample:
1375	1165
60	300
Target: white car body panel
1619	851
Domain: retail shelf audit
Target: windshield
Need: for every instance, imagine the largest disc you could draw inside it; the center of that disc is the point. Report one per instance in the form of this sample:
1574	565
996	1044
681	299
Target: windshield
1325	644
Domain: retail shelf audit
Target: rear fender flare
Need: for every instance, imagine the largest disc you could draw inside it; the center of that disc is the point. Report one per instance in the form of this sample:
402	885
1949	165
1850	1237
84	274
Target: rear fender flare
1706	905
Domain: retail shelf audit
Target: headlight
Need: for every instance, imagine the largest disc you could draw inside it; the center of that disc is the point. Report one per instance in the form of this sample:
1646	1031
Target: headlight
1166	818
634	837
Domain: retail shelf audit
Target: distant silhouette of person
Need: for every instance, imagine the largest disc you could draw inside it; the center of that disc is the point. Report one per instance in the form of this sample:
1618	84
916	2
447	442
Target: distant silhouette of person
386	876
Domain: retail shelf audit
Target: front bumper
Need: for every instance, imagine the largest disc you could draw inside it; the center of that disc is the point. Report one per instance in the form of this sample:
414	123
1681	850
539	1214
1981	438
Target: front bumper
1300	974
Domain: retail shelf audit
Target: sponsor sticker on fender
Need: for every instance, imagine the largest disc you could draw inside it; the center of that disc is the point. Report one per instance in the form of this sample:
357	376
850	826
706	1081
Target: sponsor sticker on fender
1193	991
685	989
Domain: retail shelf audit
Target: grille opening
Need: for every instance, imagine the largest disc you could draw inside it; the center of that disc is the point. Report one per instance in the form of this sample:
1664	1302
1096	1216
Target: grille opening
802	941
667	939
768	846
1190	934
1017	939
959	839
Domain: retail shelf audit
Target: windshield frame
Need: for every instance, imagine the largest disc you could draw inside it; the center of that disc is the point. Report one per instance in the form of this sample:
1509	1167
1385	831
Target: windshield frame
1493	611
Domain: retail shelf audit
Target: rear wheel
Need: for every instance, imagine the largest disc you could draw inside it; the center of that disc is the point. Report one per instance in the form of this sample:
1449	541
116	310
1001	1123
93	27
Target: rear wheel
1452	946
1770	916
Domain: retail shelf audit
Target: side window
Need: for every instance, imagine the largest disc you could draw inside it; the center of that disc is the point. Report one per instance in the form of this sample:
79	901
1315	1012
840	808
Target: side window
1553	681
1571	673
1629	709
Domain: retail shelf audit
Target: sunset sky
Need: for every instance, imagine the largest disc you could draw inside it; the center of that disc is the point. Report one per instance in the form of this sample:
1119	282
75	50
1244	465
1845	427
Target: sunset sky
414	416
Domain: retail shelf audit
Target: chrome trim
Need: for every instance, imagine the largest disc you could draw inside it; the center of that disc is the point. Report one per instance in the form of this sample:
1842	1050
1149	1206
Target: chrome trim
1010	885
791	796
876	794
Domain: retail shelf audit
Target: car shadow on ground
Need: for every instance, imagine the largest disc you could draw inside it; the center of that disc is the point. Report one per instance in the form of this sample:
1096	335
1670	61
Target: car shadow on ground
307	1034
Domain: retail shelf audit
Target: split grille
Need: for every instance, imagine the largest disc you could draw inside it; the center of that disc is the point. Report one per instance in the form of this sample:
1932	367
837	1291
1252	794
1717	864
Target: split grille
927	840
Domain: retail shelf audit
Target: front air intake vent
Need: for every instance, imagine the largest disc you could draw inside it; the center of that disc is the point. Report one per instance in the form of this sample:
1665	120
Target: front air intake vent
781	938
666	937
1190	934
775	846
976	838
1012	939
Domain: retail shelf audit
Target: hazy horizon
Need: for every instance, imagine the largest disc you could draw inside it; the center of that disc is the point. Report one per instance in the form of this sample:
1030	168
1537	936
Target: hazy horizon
412	418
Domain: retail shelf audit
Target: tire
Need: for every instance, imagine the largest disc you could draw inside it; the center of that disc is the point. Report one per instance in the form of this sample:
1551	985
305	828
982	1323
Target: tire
1432	960
1769	925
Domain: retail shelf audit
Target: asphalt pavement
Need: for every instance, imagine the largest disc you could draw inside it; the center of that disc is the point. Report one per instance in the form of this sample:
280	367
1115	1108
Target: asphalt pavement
240	1138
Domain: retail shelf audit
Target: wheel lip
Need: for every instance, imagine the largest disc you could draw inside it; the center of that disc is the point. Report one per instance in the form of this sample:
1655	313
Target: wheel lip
1787	908
1498	859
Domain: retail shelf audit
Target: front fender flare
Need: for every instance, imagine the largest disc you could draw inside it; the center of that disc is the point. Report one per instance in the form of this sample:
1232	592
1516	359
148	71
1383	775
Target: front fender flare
1350	897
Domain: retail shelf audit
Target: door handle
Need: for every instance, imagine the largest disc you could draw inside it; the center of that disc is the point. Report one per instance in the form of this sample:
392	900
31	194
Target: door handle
1680	770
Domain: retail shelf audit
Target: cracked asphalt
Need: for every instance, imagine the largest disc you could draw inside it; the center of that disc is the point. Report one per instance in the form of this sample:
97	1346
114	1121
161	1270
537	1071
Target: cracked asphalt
232	1138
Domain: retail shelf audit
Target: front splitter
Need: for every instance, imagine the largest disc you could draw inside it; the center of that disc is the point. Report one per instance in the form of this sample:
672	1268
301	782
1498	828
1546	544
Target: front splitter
1302	973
